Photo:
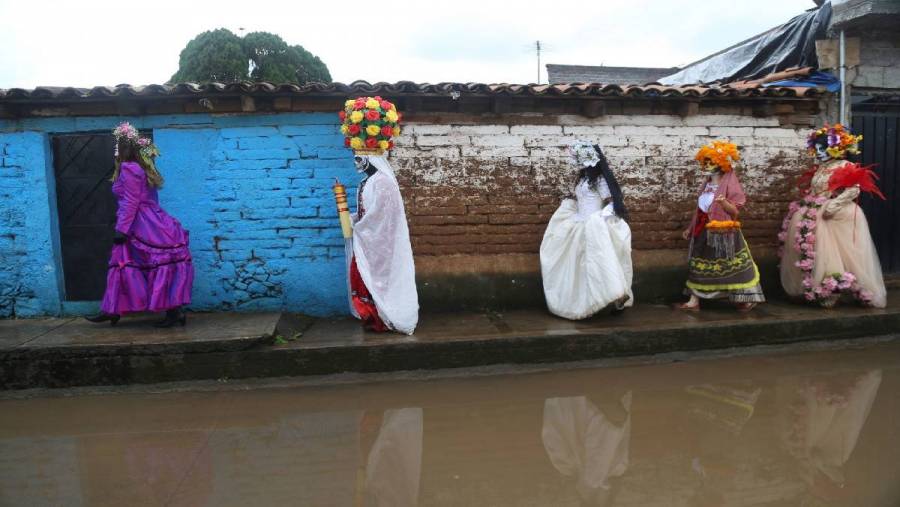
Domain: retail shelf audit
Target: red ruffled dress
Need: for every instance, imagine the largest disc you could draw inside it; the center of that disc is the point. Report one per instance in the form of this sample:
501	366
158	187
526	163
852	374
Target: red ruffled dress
362	298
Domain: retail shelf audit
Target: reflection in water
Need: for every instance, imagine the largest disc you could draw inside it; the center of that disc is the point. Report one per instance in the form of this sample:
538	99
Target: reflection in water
393	459
715	420
824	417
588	444
805	429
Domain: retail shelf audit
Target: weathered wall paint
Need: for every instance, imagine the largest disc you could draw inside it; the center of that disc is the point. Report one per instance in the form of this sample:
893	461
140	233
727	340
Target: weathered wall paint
491	188
254	192
30	281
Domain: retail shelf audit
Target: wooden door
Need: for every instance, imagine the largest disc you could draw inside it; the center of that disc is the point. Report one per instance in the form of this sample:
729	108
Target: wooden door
83	165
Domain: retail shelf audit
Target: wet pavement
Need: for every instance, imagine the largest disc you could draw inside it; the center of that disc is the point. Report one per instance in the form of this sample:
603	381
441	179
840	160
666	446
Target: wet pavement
448	327
213	329
791	427
73	352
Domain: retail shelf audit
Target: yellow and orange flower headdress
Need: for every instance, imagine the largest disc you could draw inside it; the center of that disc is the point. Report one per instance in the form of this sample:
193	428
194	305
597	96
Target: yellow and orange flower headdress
840	141
722	154
369	124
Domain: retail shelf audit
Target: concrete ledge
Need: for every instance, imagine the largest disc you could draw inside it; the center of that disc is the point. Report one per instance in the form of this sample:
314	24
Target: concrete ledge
658	279
72	352
442	341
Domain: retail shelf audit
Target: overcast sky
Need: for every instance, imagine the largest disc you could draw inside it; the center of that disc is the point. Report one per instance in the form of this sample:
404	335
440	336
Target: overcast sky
100	42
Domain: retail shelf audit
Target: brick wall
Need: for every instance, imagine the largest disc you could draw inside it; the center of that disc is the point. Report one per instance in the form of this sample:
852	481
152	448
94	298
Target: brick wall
254	190
272	220
879	62
485	189
28	278
12	224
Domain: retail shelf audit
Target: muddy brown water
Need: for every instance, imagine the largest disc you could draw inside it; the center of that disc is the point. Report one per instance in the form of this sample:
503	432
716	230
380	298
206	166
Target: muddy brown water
792	428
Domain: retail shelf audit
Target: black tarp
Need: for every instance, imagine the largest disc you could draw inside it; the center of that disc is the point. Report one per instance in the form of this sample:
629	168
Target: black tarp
792	44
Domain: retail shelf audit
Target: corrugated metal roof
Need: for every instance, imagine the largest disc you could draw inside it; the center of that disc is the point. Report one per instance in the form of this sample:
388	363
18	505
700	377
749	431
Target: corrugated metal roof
608	75
124	91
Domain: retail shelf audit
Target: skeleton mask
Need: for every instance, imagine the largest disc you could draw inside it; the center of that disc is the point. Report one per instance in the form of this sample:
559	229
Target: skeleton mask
821	154
709	166
362	163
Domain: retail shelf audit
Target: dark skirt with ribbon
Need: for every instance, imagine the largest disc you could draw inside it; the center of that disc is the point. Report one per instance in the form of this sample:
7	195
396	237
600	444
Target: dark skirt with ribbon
720	265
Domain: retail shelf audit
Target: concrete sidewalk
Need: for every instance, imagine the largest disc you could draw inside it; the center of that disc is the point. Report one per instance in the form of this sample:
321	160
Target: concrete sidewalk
73	352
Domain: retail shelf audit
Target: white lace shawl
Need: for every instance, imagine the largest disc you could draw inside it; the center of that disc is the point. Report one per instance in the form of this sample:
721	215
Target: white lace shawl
383	252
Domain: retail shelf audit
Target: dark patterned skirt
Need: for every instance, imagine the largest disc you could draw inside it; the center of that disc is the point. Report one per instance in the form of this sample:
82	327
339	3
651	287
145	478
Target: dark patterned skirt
721	266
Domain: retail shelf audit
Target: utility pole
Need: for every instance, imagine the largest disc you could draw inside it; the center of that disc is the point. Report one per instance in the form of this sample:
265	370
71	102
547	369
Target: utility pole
537	46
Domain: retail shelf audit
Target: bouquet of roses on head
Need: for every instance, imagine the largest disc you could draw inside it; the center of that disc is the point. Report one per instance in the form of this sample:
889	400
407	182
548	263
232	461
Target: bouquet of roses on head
369	124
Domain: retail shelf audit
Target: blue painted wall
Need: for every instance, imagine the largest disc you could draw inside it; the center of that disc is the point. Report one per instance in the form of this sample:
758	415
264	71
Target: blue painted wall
253	190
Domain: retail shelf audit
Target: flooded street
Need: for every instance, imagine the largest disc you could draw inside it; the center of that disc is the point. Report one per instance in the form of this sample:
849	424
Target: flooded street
788	428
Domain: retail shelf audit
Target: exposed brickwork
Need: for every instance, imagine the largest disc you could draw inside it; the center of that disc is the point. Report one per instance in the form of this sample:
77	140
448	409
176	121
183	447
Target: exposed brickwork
272	211
879	65
22	234
12	224
479	189
254	190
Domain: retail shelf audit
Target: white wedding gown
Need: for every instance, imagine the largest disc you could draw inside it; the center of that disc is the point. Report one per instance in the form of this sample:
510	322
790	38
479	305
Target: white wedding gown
584	444
586	255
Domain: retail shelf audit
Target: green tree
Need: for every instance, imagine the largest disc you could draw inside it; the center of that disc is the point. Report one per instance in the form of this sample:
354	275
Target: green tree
216	55
261	56
311	68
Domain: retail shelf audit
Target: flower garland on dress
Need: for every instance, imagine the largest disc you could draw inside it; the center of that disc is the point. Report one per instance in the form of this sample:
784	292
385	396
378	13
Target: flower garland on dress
805	244
723	225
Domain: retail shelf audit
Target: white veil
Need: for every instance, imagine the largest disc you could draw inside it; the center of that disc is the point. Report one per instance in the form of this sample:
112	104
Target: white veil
383	251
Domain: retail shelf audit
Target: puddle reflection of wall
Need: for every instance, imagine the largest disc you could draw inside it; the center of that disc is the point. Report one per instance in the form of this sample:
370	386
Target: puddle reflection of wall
306	459
151	468
40	471
739	443
273	448
488	453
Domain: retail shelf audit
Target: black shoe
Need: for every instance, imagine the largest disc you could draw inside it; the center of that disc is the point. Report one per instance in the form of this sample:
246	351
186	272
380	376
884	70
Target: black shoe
619	305
172	317
103	317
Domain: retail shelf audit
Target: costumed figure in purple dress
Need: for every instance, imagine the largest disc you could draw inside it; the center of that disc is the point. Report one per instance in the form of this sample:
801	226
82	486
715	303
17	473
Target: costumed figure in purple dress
150	267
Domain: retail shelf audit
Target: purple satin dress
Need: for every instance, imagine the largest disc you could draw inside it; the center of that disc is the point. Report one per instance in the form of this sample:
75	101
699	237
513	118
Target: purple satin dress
152	270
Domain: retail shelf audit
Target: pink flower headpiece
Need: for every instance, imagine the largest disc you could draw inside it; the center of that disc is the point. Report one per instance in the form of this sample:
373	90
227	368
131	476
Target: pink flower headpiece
126	131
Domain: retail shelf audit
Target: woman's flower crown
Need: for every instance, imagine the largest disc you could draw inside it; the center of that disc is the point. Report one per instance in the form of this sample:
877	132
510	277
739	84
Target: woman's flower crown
840	141
126	131
721	154
584	154
369	124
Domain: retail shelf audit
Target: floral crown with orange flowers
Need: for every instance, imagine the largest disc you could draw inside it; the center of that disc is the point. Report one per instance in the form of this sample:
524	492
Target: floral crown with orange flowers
721	154
369	124
839	140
